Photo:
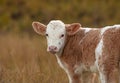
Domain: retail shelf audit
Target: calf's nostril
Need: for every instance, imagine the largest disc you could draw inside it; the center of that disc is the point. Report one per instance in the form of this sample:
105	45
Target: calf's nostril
55	48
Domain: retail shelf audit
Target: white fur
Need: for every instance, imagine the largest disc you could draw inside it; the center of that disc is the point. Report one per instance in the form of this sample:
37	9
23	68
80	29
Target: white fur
93	68
54	30
98	50
80	68
108	27
102	77
98	53
87	29
64	66
117	26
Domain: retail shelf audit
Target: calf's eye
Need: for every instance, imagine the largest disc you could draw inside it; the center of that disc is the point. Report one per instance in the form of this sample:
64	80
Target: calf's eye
62	36
46	34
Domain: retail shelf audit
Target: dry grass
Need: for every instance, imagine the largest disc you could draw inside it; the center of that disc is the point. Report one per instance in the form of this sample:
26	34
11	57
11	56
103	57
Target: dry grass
25	60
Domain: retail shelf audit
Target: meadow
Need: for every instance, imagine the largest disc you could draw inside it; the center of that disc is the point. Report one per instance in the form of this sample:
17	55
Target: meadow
23	59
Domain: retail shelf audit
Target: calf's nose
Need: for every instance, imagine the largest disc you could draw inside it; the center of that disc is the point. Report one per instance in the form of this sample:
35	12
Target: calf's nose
52	48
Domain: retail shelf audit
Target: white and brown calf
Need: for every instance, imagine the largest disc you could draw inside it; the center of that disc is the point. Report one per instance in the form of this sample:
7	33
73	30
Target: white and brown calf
80	50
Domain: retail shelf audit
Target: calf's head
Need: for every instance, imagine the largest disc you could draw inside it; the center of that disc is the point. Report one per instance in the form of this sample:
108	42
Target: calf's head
56	33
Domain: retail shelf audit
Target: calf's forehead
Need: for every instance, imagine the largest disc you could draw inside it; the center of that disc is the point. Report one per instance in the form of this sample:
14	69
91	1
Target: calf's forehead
55	27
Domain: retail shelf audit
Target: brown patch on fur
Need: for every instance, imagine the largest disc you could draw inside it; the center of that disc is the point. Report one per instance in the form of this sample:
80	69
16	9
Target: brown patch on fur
111	55
80	49
88	46
71	52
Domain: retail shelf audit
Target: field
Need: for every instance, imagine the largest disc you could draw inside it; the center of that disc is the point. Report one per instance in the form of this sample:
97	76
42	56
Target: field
23	59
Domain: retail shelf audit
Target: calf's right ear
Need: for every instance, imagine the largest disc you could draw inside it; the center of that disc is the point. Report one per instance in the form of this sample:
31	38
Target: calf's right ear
73	28
39	28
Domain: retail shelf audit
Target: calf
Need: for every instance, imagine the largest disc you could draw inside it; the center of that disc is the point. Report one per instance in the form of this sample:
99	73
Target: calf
79	50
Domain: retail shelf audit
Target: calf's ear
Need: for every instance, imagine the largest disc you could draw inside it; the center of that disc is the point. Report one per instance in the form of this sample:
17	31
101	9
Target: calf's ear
73	28
39	28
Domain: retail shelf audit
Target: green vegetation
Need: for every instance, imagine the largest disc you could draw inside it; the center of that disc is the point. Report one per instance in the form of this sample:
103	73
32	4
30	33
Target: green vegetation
17	15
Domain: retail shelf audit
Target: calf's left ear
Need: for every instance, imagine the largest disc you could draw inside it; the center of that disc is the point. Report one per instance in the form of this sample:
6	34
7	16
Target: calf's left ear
73	28
39	28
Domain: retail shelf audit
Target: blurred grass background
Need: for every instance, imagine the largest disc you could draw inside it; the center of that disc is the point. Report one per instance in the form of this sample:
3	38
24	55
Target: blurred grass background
25	60
23	56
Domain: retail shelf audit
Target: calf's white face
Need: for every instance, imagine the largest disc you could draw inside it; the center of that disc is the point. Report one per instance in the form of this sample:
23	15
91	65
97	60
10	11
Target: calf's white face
56	32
